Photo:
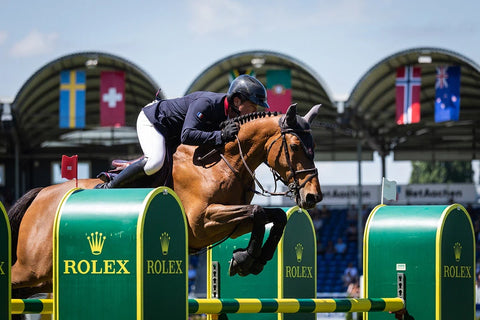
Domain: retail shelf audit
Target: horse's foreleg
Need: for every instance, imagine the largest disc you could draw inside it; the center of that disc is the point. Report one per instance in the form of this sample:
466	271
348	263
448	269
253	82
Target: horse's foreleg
279	219
243	219
243	259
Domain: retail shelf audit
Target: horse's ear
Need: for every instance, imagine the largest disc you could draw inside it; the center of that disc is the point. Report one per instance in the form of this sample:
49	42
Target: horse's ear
291	115
312	113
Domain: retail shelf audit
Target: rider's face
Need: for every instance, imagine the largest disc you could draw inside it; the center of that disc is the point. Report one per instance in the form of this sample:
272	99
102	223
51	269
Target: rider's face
247	107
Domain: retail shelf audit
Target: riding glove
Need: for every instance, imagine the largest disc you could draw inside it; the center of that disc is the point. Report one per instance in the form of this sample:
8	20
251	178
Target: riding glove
229	132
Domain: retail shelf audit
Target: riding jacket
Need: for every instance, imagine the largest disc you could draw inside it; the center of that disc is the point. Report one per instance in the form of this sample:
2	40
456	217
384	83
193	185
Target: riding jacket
193	119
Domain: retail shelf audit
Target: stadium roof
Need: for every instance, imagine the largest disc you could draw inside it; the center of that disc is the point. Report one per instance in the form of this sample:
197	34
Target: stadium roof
370	109
308	89
369	114
35	107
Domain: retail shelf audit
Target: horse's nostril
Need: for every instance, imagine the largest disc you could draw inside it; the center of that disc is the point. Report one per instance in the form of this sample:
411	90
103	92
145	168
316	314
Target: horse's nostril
314	198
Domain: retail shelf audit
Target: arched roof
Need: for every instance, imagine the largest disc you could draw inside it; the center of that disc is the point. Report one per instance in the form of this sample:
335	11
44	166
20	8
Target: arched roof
308	89
369	112
370	109
36	106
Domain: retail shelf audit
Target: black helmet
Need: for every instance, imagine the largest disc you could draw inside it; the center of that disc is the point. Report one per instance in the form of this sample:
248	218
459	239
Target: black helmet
250	88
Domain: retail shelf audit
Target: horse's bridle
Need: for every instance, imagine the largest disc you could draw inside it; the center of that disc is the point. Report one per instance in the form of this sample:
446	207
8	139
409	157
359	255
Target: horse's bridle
295	186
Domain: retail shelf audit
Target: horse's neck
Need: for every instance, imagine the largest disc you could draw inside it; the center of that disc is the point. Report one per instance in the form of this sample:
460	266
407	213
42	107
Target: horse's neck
254	139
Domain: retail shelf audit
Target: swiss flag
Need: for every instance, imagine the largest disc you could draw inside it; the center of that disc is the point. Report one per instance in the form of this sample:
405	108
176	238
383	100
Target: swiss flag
112	98
69	167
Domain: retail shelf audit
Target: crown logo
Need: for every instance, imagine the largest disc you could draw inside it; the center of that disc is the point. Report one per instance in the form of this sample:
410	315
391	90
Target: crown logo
299	252
164	242
457	248
96	241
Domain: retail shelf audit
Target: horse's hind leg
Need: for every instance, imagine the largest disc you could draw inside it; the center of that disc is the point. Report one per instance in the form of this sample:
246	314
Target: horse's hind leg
25	282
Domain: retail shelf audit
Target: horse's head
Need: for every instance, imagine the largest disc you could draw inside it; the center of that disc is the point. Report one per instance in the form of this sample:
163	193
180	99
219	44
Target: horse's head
291	155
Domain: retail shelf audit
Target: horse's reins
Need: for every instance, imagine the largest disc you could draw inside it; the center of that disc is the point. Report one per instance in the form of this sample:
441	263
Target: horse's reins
294	187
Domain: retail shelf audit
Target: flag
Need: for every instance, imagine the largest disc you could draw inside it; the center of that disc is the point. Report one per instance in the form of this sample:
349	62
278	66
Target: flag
389	189
72	99
112	98
69	167
279	90
236	72
408	94
447	94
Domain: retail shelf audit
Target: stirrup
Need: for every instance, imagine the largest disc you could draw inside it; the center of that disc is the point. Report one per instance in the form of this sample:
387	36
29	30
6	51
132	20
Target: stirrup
102	186
106	176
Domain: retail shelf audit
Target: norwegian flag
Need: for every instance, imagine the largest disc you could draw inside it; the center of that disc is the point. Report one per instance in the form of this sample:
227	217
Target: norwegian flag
408	85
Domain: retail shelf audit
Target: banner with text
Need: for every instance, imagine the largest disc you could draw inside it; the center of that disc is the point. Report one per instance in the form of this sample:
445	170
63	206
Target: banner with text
406	194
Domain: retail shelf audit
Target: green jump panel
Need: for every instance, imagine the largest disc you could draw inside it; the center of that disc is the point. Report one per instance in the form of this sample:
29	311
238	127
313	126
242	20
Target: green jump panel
120	254
291	273
5	264
433	247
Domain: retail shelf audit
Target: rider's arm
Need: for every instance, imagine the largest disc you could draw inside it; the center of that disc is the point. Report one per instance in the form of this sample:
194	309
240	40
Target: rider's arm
201	124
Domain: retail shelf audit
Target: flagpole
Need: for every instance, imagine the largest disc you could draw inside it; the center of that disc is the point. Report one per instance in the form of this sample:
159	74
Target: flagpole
383	187
359	209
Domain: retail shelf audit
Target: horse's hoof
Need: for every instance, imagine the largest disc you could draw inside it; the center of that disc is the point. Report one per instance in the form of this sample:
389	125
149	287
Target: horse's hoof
233	269
240	263
257	267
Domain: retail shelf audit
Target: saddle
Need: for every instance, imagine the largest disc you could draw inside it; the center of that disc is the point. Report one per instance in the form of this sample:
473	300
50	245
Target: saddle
162	178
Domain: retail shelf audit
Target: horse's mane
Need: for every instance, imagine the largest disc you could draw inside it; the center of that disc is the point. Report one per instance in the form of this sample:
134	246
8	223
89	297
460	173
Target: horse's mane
249	117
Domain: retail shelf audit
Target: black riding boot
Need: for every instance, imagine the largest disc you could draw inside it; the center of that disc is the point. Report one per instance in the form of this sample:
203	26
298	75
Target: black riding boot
126	178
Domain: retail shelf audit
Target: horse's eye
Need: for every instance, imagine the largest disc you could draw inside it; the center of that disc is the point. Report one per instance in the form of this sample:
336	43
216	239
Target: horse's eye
294	147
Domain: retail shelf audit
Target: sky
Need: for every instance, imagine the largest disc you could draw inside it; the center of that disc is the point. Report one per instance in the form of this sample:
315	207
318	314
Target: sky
174	41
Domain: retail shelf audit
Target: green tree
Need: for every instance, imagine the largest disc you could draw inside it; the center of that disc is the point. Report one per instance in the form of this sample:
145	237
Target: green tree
441	172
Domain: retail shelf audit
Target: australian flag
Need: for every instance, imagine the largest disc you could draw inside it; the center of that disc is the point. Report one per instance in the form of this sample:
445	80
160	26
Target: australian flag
447	94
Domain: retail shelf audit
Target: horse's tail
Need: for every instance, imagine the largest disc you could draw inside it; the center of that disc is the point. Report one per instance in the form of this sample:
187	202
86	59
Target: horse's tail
15	215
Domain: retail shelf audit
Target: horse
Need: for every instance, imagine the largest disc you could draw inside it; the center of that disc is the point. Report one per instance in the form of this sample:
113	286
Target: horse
215	189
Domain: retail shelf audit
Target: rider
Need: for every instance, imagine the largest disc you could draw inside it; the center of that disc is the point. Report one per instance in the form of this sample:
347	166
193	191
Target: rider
194	120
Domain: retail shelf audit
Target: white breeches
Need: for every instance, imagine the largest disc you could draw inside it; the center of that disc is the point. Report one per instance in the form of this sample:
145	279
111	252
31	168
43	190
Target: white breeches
152	143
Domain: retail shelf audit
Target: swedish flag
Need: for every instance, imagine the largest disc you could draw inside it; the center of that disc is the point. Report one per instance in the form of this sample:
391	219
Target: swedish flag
72	99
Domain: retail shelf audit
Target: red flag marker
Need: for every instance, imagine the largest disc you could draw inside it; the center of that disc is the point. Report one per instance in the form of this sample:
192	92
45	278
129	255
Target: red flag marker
69	167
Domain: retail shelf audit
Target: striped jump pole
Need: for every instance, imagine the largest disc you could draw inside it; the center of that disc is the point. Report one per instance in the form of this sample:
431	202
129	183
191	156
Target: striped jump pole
32	306
219	306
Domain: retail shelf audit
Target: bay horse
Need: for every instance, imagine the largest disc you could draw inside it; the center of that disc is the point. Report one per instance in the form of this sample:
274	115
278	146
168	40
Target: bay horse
215	189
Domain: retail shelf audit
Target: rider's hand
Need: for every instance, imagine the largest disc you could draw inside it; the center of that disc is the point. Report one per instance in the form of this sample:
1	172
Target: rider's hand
229	132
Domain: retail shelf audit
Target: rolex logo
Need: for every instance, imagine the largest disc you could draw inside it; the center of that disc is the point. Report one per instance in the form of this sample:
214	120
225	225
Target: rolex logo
164	242
96	241
457	248
299	252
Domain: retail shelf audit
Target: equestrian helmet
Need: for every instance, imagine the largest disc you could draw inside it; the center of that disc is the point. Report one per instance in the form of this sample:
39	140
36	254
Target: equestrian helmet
250	88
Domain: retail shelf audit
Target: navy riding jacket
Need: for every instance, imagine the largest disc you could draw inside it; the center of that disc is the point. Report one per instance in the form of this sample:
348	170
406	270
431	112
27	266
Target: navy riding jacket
193	119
